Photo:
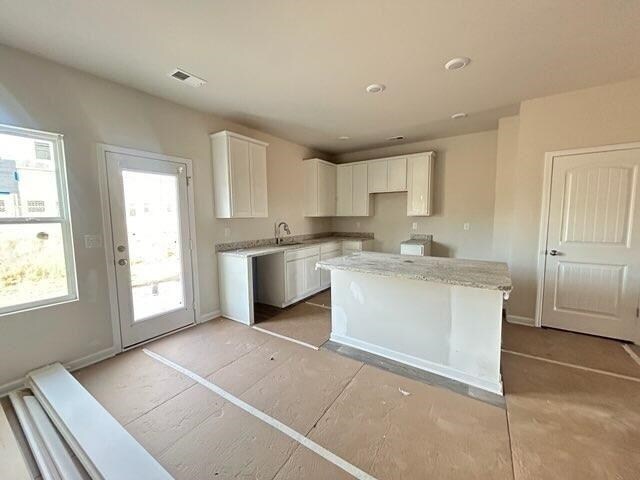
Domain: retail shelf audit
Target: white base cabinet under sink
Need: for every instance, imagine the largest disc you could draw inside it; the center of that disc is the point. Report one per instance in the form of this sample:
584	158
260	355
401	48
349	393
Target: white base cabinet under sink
287	277
279	277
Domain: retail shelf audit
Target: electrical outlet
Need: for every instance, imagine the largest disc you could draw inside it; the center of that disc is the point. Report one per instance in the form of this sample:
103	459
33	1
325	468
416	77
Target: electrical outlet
357	224
414	226
227	232
92	241
466	226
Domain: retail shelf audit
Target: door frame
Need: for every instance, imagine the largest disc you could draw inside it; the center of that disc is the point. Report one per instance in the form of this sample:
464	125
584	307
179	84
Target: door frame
549	160
107	230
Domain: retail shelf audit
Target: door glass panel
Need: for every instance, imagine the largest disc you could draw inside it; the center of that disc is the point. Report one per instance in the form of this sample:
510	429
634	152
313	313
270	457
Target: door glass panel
153	232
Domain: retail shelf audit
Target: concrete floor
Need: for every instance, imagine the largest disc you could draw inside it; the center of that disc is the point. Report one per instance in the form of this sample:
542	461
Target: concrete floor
559	422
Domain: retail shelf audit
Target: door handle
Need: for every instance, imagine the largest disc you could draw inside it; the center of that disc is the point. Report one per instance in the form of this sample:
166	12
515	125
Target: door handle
122	262
554	252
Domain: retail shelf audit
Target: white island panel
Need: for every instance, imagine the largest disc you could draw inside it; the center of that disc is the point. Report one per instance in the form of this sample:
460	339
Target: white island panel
451	330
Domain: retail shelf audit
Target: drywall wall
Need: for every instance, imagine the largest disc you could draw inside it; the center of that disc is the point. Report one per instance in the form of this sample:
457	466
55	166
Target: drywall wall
39	94
465	171
604	115
505	171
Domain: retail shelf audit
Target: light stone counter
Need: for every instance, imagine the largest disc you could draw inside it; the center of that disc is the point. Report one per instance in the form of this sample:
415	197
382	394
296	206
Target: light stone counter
450	271
269	249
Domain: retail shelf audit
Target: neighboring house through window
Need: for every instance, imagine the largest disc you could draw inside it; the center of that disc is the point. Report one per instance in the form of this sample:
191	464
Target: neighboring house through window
36	250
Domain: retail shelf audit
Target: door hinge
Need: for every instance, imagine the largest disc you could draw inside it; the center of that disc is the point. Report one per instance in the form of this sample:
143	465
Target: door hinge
638	312
188	180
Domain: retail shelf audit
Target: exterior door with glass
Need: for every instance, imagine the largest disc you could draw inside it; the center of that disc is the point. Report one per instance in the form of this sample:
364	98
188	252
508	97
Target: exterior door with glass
151	245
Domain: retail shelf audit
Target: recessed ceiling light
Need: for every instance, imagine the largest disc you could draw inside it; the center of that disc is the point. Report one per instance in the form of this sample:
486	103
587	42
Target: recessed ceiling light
457	63
458	116
376	88
343	137
397	137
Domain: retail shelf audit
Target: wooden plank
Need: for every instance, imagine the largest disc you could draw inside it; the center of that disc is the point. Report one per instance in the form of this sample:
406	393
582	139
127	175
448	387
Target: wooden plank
12	463
103	446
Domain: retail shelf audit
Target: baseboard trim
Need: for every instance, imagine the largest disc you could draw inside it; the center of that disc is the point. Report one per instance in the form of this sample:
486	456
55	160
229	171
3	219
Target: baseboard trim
438	369
518	320
9	387
205	317
73	365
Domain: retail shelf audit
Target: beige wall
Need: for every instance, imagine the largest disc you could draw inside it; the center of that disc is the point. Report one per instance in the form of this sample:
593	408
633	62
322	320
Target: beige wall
597	116
465	171
505	170
36	93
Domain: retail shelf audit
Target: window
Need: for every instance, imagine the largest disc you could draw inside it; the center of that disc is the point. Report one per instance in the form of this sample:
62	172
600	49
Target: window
37	267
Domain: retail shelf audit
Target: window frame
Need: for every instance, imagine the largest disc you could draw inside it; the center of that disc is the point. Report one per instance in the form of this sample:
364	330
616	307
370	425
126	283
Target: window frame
63	218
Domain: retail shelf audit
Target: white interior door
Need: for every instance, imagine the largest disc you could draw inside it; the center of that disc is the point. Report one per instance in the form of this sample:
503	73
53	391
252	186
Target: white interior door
151	244
592	276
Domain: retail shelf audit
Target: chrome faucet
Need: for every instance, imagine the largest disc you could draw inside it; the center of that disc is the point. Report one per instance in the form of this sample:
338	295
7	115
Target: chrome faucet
278	235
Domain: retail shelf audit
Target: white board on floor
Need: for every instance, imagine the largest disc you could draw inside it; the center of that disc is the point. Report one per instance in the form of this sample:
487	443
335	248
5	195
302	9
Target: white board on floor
105	449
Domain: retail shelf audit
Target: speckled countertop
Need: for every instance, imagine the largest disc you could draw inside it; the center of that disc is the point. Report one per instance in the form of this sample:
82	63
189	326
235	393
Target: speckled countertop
452	271
269	249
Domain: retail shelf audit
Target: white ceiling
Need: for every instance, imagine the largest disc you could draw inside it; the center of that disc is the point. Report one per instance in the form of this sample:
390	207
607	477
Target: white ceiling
298	68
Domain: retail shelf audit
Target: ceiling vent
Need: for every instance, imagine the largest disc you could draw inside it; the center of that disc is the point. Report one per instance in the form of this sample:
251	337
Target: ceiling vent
187	78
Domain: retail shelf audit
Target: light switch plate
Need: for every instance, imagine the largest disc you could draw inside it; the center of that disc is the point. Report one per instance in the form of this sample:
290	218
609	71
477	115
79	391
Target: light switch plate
466	226
414	226
357	224
92	241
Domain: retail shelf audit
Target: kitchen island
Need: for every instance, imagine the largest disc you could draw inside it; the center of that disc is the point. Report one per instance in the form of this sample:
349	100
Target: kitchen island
442	315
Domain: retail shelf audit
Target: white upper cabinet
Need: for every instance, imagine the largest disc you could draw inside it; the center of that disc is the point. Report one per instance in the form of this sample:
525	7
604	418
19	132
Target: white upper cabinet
239	175
397	174
353	193
420	184
344	207
258	165
378	176
319	188
387	175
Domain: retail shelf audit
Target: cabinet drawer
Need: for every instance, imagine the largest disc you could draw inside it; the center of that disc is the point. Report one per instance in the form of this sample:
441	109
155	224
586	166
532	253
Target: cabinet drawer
330	247
301	253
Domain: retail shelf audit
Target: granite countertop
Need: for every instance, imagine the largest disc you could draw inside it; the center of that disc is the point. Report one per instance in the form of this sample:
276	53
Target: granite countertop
451	271
418	239
269	249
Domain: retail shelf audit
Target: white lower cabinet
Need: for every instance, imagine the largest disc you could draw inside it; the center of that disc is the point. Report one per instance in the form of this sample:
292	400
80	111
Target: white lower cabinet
302	277
294	270
287	277
311	274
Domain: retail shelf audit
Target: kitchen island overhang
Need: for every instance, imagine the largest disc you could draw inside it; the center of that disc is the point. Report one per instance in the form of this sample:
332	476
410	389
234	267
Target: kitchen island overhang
441	315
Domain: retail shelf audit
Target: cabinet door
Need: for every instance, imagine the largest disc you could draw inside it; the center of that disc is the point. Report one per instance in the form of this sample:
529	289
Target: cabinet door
295	280
397	171
360	191
326	190
419	184
377	173
258	164
310	189
240	171
325	275
311	274
345	194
